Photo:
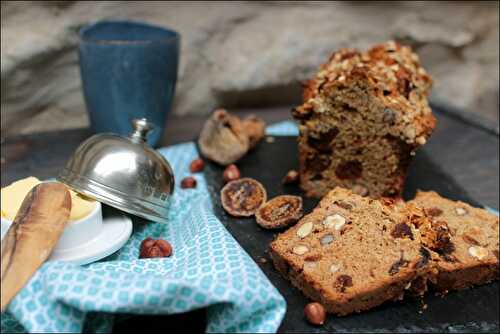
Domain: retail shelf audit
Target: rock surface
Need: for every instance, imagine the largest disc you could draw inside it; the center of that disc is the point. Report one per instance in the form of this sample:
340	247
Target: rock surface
245	54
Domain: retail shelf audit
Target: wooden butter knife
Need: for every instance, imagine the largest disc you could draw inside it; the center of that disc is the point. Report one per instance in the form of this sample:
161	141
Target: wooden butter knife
32	236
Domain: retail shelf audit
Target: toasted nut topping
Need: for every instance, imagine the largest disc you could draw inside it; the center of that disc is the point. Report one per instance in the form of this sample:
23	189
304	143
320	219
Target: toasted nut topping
421	140
435	212
402	230
304	230
409	133
336	221
389	115
460	211
300	249
478	252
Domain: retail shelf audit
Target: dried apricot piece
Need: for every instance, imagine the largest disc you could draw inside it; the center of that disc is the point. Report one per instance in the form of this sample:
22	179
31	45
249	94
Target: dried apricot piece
279	212
242	197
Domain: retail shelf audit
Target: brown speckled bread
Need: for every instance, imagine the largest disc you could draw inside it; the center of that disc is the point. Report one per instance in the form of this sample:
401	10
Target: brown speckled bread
363	116
470	255
353	253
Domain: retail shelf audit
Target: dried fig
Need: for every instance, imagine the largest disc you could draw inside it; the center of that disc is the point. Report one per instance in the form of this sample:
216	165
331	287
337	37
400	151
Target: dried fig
255	128
281	211
223	138
242	197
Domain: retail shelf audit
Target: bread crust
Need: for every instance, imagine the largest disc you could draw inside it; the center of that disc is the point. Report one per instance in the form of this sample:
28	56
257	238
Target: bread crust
363	116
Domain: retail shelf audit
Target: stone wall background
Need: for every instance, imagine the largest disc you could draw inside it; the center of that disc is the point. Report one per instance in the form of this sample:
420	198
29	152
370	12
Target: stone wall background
243	54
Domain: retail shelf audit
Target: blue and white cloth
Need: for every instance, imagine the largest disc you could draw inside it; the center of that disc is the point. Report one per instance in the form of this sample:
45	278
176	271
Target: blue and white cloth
208	268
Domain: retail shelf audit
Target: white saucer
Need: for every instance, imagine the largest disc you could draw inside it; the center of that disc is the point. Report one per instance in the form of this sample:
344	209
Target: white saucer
113	234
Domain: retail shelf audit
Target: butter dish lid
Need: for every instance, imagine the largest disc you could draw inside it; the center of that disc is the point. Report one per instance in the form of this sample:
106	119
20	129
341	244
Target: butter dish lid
123	172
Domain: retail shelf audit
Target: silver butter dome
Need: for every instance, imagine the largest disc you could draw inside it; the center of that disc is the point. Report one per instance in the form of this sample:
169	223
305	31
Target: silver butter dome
123	172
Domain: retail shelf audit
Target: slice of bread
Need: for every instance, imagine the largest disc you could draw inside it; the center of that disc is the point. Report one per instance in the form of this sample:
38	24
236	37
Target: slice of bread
353	253
469	255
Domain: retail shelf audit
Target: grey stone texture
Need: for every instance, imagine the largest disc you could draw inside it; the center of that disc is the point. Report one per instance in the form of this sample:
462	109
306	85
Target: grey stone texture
243	54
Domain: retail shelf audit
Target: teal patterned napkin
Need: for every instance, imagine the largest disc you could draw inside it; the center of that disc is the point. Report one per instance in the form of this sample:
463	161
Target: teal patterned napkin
207	269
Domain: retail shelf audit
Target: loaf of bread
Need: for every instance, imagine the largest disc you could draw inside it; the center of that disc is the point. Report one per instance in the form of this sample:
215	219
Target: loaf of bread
353	253
362	118
468	254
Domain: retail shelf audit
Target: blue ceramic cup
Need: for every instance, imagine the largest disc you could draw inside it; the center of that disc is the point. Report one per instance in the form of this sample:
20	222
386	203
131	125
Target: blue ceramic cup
128	70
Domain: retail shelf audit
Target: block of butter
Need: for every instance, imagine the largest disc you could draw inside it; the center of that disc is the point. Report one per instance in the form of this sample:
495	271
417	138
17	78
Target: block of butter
13	195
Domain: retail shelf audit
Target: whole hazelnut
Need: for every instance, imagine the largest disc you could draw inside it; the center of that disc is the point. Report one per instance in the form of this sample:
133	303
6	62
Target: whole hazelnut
231	173
315	313
196	165
291	177
188	182
151	248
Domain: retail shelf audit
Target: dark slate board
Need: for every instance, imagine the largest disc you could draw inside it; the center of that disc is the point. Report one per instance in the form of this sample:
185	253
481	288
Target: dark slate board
474	310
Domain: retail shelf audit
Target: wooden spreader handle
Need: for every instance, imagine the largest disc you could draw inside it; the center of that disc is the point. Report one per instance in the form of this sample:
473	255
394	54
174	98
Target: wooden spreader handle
32	236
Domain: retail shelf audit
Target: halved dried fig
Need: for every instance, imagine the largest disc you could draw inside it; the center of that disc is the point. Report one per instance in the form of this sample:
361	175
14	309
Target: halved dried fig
223	138
242	197
279	212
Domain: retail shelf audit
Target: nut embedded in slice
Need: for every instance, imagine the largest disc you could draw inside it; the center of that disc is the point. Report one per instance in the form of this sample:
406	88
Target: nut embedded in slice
336	221
478	252
304	230
461	211
242	198
281	211
300	249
